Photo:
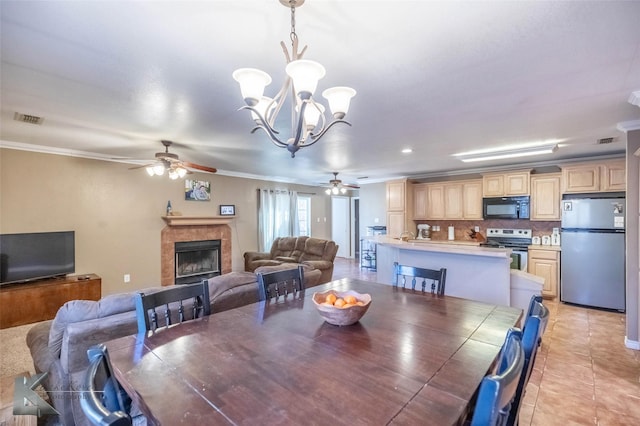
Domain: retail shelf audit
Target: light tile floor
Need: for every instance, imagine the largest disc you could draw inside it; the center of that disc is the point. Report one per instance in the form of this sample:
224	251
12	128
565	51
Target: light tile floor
583	375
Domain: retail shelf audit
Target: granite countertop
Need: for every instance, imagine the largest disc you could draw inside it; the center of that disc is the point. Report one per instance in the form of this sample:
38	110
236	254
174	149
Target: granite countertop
445	246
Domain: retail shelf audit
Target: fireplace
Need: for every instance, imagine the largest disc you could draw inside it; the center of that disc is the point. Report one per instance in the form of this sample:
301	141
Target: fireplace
183	229
197	260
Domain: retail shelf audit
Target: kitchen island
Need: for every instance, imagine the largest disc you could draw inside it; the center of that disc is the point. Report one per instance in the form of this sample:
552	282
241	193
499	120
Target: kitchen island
473	272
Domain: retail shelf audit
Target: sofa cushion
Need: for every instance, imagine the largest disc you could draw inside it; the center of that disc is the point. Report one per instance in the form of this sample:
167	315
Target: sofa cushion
222	283
283	246
314	249
311	275
83	310
70	312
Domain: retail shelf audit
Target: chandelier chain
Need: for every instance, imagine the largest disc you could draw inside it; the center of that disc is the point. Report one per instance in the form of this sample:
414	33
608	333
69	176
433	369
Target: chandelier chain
293	34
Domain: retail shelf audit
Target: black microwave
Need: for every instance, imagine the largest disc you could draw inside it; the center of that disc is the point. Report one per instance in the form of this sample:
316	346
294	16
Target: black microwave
505	208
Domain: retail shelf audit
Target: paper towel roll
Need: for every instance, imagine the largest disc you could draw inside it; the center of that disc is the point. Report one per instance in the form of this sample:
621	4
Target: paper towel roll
452	233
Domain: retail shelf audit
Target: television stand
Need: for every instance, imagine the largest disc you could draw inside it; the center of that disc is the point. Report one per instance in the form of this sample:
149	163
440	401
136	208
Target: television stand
35	301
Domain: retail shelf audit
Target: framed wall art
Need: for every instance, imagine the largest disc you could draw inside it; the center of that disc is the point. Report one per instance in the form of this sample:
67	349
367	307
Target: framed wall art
197	190
227	210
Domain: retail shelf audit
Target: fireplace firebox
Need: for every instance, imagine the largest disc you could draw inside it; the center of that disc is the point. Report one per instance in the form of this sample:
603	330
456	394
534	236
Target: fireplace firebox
197	260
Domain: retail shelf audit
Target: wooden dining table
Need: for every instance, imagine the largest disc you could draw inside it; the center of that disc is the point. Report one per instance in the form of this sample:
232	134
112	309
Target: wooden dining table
413	358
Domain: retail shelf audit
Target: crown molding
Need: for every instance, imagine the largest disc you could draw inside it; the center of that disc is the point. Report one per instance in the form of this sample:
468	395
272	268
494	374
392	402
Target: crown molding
627	126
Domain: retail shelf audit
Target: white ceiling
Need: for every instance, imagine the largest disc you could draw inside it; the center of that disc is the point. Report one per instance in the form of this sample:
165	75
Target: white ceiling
113	78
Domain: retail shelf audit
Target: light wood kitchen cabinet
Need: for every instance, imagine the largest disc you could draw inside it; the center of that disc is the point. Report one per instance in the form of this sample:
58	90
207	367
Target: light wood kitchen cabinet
598	176
454	200
506	184
614	175
399	207
546	264
396	196
545	197
472	199
435	201
420	194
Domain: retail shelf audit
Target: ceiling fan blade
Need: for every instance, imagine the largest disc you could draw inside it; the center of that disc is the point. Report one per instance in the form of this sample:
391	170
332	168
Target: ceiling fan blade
199	167
142	166
351	186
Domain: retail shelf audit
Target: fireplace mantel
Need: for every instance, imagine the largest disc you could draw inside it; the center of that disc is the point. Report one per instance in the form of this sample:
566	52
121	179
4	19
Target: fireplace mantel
196	220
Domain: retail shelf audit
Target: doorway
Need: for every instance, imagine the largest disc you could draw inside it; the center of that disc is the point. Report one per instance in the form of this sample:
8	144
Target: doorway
340	225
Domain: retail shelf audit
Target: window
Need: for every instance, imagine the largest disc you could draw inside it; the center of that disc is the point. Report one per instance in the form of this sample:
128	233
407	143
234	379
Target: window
304	215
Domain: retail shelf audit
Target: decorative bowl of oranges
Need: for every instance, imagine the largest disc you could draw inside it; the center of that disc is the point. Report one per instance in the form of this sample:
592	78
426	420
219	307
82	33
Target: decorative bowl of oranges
341	307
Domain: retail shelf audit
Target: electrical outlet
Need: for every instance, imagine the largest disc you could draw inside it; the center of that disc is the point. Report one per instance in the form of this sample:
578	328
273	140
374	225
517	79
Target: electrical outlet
476	229
127	278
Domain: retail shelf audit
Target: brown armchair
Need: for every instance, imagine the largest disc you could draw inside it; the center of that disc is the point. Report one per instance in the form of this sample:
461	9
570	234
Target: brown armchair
315	253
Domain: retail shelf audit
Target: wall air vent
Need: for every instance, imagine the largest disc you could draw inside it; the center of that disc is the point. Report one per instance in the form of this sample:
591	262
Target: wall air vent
605	141
26	118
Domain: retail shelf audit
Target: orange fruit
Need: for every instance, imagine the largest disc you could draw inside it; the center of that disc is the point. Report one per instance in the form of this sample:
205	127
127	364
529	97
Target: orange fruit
339	303
348	305
360	303
327	304
330	299
351	300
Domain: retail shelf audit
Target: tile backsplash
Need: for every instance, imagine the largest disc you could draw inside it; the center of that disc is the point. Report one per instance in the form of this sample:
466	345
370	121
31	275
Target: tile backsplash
464	227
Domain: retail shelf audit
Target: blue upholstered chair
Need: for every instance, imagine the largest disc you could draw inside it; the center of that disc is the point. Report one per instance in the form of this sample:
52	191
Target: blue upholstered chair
103	401
534	326
497	391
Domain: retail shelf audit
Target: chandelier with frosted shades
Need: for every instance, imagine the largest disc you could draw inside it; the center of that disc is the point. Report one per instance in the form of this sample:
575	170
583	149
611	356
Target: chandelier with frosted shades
308	122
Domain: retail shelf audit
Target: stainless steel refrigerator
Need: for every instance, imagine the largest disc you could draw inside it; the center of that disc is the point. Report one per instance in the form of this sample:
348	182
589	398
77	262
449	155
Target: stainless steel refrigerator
593	253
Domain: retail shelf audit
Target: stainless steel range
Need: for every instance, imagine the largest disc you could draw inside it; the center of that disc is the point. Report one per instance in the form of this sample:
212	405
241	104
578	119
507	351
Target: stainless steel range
518	240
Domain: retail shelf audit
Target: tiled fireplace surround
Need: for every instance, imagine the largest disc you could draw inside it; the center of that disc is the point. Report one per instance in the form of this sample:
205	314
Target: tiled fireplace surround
172	234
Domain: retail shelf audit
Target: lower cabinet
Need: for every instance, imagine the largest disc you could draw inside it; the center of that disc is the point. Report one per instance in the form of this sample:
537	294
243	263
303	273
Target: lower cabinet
546	264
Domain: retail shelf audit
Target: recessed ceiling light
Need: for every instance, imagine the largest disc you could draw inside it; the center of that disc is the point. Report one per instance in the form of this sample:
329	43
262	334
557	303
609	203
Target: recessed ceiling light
407	151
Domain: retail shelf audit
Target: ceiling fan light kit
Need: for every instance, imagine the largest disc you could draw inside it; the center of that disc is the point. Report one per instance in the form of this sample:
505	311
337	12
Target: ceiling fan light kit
169	162
337	187
308	120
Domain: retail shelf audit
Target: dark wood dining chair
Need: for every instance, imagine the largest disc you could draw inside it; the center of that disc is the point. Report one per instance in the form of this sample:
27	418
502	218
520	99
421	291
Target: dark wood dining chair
531	337
103	401
280	283
437	277
497	391
173	303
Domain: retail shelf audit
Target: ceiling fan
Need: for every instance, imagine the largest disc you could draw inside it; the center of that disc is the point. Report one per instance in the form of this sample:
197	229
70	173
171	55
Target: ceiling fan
337	187
169	162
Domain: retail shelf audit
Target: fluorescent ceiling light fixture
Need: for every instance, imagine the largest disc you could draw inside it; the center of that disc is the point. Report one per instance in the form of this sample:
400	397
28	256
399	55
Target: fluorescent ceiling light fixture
469	157
407	151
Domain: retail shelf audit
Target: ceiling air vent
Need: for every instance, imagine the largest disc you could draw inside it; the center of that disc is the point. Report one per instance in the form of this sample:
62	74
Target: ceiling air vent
26	118
605	141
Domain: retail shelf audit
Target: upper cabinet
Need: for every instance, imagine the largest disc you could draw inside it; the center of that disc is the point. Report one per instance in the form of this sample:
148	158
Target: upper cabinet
399	207
472	199
454	200
614	175
545	197
601	176
396	195
506	184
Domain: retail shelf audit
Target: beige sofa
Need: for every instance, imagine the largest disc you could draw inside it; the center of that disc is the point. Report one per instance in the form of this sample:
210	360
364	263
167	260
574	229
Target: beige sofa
59	347
312	252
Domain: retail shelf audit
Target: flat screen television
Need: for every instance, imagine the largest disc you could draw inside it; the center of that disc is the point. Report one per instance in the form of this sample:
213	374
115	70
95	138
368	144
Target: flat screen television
34	256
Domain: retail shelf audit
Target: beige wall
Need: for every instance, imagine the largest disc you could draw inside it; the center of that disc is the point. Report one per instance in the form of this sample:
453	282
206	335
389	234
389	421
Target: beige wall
116	212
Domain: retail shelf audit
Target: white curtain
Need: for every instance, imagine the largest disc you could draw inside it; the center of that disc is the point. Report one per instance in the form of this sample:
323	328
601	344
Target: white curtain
277	216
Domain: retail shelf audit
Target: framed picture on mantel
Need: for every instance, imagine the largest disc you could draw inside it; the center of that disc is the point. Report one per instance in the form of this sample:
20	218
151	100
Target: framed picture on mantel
227	210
